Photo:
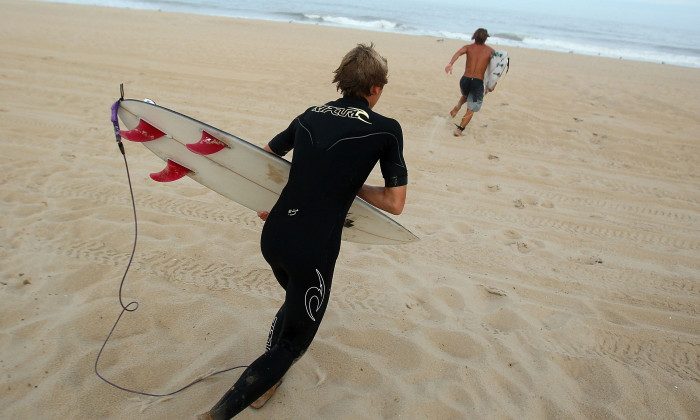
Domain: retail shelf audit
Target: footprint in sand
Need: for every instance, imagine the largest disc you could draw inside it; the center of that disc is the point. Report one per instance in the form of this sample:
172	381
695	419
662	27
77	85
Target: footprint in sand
598	139
542	171
455	344
514	239
526	247
511	237
504	321
521	203
68	156
463	228
432	228
450	299
586	258
590	260
531	200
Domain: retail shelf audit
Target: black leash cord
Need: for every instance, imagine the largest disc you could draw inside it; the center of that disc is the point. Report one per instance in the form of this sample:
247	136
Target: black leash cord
133	305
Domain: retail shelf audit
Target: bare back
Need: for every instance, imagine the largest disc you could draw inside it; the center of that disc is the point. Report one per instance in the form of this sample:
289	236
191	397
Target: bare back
478	57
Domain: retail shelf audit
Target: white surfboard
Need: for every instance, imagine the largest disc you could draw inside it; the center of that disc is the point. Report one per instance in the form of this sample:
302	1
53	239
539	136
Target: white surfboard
498	66
234	168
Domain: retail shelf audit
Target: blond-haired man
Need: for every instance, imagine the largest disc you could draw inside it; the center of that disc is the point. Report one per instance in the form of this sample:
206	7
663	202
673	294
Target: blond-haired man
336	145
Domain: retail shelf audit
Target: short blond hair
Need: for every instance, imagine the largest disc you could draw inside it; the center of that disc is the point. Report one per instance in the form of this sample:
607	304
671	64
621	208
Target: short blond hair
361	68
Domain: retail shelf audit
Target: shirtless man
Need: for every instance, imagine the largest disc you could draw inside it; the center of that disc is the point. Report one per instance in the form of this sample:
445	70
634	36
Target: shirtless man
472	83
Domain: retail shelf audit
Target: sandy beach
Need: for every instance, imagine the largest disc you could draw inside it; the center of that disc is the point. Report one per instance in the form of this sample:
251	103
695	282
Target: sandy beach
557	276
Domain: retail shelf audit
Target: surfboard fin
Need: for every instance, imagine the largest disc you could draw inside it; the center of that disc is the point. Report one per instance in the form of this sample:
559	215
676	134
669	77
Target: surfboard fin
143	132
207	145
172	172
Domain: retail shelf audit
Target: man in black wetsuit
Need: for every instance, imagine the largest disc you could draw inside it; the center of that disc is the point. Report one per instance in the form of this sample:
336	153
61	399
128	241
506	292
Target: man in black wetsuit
336	145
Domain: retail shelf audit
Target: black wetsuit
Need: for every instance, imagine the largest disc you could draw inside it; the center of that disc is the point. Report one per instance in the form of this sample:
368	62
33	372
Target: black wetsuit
336	146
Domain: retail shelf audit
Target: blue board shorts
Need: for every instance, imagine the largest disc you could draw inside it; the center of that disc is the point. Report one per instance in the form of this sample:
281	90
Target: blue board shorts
473	90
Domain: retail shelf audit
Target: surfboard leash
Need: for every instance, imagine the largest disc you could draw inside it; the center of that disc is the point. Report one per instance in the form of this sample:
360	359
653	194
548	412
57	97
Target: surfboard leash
115	122
133	305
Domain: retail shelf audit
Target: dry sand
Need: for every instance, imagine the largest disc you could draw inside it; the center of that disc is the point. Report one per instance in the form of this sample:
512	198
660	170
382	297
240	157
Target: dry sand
558	275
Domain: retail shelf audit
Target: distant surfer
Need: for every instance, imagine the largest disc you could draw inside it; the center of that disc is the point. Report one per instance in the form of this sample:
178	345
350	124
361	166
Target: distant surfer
472	82
336	146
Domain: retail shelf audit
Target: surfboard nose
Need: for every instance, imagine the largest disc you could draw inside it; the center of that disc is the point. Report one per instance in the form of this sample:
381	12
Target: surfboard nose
143	132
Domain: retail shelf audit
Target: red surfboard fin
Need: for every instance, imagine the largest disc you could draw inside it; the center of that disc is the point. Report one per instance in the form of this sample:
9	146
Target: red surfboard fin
207	145
142	133
172	172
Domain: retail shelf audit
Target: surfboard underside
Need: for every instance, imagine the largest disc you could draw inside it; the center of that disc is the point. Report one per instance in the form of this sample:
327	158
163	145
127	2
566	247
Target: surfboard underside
235	168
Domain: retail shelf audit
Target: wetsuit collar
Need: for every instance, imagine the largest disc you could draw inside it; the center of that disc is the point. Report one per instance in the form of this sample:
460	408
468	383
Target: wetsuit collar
354	100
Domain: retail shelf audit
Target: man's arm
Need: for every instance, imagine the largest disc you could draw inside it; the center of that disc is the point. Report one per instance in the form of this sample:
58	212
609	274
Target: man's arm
459	53
390	199
267	148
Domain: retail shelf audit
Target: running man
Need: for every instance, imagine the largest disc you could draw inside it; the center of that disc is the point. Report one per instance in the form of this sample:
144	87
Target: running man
472	82
336	145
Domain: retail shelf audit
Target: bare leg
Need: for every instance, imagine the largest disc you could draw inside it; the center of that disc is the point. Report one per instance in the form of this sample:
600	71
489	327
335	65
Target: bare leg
457	107
465	120
260	402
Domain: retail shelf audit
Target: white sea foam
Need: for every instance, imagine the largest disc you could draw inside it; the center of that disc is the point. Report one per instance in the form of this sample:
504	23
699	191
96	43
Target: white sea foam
350	22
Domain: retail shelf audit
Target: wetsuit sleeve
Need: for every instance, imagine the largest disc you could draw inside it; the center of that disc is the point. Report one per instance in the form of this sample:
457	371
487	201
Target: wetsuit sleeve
282	143
392	163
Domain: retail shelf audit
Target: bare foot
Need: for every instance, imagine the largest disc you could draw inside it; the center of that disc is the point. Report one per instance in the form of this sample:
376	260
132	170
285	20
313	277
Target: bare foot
454	112
458	131
266	396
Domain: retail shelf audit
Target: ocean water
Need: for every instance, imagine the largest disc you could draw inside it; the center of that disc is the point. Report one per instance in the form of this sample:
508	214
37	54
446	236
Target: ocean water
670	45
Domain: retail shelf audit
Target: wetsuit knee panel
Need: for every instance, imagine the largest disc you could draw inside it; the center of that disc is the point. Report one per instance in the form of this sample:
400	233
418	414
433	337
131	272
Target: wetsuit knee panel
290	349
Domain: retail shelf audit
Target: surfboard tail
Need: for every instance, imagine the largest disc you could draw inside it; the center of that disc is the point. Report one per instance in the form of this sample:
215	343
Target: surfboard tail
143	132
172	172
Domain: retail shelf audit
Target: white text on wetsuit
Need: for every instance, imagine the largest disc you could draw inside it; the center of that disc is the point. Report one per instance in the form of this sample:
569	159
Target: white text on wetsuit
343	112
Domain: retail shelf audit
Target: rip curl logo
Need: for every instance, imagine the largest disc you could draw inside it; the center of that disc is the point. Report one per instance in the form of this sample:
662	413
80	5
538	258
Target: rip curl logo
268	346
349	112
292	212
314	297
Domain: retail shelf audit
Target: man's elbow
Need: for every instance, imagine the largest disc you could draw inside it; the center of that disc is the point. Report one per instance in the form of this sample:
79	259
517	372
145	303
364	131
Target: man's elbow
396	199
396	211
396	207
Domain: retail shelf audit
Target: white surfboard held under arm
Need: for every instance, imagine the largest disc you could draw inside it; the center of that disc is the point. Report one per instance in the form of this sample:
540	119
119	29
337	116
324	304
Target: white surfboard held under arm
235	168
497	68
